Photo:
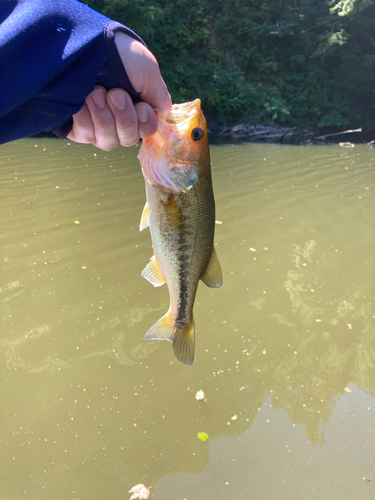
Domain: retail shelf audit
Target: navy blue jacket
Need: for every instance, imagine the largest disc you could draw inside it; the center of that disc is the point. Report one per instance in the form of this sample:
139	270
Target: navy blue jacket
52	54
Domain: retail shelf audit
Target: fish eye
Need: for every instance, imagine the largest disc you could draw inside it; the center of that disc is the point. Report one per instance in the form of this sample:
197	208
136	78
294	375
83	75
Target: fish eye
197	134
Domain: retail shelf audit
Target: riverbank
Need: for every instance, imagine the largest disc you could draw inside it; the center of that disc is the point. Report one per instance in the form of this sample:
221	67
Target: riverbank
274	133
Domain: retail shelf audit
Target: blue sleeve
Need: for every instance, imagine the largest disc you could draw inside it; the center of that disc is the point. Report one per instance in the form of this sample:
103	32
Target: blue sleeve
52	54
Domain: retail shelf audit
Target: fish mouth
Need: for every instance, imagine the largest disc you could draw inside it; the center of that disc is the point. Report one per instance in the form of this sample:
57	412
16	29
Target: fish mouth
180	112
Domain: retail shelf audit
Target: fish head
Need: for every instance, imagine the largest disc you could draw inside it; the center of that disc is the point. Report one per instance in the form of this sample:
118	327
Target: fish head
178	153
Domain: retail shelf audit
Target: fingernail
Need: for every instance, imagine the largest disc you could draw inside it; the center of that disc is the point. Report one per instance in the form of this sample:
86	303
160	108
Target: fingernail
98	98
142	113
118	100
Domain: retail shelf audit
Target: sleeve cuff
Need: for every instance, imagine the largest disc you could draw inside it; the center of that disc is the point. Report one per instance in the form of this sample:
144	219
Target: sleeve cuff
109	38
112	72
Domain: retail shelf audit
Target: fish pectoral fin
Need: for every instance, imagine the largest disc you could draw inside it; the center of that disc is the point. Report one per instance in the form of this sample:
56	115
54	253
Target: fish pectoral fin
145	217
213	276
183	339
152	273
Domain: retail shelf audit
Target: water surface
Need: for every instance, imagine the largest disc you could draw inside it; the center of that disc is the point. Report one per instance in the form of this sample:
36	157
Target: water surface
285	351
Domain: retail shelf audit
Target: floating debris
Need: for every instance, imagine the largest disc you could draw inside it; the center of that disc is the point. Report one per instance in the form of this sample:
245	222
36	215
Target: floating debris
234	417
202	436
200	396
347	389
140	491
366	479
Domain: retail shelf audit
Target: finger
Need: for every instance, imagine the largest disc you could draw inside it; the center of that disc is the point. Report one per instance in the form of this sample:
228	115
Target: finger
83	127
143	71
125	116
147	121
154	91
103	120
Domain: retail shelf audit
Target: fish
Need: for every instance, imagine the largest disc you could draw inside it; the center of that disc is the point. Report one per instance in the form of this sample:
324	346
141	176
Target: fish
180	212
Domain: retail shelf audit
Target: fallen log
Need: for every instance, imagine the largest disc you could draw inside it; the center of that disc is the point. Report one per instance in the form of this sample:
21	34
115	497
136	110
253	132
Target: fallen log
340	133
261	132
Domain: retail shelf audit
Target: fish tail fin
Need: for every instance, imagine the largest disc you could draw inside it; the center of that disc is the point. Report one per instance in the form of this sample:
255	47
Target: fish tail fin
182	338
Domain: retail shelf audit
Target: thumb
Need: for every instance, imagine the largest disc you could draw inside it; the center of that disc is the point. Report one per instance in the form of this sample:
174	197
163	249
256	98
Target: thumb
143	71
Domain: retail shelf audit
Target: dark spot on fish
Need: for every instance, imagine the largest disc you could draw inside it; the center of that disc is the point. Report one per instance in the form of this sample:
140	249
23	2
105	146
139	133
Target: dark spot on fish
183	273
197	134
180	324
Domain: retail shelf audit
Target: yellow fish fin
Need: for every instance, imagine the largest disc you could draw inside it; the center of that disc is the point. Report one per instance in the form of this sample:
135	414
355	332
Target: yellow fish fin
183	339
145	217
152	273
212	276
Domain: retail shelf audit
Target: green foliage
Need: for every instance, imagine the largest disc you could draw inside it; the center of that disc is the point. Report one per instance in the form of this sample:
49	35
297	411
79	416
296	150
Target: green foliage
301	62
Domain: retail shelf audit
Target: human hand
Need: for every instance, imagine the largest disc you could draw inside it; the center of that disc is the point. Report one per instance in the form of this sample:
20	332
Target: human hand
110	118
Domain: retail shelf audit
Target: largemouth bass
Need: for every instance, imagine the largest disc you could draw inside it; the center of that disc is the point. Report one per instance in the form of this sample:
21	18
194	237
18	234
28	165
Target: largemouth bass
180	211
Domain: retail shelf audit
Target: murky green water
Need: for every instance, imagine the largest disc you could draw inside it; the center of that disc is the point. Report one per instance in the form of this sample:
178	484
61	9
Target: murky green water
285	350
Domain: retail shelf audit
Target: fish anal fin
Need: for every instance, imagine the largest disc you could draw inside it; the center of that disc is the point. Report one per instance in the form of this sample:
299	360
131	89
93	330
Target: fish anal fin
152	273
181	335
145	217
213	276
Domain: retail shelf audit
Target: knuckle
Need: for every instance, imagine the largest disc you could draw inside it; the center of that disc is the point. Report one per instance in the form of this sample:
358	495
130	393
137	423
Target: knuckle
128	132
126	125
129	141
107	145
110	147
84	136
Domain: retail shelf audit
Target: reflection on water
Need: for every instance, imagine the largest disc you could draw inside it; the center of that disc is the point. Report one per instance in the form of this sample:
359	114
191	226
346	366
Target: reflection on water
285	350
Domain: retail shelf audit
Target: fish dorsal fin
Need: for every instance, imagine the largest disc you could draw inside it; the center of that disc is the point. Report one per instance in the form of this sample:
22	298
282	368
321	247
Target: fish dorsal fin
212	276
152	273
183	338
145	217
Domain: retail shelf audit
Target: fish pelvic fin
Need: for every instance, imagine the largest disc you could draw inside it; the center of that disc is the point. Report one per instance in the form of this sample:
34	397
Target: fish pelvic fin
213	276
152	273
181	335
145	217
